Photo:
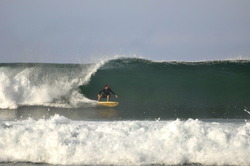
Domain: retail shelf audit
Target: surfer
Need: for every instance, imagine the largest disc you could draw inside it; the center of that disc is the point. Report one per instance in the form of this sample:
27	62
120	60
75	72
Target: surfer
105	93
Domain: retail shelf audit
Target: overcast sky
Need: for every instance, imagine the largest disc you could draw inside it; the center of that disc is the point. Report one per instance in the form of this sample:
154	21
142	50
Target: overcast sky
83	31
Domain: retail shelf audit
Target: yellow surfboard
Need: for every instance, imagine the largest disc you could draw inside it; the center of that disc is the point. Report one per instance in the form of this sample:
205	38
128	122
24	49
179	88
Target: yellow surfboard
108	103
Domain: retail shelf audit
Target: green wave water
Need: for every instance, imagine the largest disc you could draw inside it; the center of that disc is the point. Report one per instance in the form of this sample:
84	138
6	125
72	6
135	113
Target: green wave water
146	89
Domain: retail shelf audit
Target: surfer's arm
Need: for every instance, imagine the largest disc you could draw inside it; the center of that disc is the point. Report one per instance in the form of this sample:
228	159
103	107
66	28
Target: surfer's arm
113	93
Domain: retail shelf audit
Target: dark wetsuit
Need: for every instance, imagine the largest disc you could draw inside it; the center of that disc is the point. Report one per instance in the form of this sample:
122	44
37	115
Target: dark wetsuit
106	92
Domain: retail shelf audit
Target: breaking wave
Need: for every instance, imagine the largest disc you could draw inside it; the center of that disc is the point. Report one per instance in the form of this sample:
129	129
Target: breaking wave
147	89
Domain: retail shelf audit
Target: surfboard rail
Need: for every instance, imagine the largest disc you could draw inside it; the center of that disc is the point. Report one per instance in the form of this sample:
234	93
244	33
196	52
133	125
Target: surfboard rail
108	103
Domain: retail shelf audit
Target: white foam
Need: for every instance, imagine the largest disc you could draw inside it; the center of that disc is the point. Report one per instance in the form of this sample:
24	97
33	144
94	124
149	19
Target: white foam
62	141
49	86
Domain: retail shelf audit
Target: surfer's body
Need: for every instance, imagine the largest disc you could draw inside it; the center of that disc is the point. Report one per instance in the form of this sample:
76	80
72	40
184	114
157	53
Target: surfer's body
106	93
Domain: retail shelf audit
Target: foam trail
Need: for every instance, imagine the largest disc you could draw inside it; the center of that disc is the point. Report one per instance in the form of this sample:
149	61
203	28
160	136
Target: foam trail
62	141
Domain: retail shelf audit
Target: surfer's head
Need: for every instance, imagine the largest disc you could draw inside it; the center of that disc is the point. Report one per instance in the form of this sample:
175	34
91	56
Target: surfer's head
106	86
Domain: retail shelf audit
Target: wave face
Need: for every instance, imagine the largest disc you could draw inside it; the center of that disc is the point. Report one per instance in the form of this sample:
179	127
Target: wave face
61	141
147	89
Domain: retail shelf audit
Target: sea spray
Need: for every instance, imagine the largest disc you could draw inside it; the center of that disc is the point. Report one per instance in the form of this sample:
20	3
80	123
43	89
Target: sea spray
43	84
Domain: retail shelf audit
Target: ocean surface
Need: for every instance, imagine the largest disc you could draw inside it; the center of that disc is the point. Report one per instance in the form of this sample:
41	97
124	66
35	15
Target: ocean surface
169	113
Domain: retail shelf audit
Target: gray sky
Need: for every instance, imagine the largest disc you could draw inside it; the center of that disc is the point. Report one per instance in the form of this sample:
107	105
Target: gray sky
83	31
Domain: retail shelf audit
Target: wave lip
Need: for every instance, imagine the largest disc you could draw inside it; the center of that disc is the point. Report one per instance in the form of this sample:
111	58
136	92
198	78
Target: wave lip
62	141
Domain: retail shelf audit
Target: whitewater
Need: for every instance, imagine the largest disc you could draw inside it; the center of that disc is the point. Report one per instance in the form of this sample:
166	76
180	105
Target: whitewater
169	113
59	140
43	84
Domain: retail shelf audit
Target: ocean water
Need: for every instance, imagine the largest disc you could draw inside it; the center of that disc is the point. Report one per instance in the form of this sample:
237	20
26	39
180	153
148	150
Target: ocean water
169	113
